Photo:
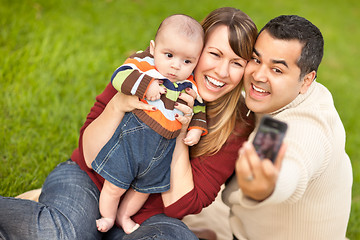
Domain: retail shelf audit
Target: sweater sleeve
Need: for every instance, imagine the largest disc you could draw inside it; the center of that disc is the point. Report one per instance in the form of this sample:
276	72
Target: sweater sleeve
198	121
131	78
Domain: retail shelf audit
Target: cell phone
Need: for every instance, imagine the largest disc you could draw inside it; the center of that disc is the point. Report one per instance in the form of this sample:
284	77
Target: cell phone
269	137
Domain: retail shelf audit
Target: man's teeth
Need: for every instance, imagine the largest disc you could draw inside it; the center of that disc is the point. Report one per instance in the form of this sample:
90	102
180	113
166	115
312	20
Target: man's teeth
258	89
215	82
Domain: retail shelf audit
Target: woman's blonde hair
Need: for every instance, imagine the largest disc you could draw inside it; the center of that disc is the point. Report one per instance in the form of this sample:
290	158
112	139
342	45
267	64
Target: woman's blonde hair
223	113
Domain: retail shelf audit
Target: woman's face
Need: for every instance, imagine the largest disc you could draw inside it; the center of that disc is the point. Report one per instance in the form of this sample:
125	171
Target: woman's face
219	69
268	142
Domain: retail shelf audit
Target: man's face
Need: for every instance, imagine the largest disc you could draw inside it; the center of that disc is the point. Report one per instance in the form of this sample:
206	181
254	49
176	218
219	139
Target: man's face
272	78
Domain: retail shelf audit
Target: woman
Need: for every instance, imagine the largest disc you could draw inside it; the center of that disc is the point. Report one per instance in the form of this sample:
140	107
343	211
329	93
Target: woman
70	198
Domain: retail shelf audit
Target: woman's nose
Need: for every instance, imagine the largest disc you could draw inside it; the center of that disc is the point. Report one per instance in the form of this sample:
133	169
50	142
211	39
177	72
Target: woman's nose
223	69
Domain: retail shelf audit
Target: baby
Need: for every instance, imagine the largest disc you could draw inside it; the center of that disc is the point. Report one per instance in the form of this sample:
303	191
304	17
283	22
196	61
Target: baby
139	154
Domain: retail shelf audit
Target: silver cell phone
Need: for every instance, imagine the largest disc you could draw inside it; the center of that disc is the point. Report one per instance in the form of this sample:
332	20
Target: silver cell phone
269	137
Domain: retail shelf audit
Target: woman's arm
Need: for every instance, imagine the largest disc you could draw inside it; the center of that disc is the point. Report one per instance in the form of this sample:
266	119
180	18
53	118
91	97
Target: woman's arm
181	177
101	129
208	174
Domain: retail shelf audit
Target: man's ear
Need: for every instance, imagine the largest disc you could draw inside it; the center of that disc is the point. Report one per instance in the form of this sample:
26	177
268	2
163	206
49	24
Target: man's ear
307	81
152	47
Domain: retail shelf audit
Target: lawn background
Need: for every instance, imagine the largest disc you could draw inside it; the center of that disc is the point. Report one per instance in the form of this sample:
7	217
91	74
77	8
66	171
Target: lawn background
56	56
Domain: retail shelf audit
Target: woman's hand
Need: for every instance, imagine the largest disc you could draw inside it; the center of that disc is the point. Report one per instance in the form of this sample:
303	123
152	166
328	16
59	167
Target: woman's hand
257	178
189	98
126	103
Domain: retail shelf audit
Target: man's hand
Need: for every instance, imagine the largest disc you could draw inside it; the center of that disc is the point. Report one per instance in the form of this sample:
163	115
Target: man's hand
257	178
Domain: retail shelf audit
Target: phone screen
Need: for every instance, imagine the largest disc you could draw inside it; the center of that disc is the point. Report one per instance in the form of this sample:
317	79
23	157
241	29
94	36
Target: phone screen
269	137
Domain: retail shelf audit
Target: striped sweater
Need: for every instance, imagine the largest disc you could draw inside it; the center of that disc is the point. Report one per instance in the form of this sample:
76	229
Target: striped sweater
134	78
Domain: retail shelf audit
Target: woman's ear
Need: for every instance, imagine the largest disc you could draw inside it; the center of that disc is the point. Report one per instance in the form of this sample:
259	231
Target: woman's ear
308	79
152	47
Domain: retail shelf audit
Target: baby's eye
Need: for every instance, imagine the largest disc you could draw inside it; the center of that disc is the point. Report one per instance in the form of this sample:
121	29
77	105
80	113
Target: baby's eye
169	55
187	61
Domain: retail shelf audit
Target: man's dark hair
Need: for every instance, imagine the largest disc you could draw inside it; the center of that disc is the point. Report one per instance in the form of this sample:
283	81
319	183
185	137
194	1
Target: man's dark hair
293	27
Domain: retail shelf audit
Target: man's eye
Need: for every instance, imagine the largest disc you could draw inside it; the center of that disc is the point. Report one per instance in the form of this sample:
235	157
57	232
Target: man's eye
255	60
276	70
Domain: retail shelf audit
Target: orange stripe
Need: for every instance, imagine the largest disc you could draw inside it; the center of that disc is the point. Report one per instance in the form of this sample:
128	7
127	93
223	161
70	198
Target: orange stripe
162	120
205	131
192	80
143	65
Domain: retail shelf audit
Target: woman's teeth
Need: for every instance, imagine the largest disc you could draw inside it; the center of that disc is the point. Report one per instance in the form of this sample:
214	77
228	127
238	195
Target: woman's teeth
215	82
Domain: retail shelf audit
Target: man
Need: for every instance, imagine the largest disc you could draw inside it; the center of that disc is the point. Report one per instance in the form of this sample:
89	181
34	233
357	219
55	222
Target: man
306	194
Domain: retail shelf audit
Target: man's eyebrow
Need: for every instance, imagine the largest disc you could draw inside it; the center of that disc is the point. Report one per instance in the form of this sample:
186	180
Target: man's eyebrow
283	62
280	62
256	52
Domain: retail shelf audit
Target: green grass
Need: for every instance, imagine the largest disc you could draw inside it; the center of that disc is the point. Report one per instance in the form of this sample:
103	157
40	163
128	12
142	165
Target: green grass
56	56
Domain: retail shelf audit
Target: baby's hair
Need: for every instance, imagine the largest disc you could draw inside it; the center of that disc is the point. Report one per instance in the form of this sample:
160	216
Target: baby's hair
184	24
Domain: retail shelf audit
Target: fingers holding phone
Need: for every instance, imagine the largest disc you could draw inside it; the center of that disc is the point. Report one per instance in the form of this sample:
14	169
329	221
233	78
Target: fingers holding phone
259	163
255	177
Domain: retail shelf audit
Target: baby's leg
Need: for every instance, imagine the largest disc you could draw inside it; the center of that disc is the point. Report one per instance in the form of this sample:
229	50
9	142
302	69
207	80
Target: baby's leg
108	204
130	205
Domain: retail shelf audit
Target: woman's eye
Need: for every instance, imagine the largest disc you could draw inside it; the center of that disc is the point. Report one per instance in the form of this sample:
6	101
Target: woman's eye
214	54
238	64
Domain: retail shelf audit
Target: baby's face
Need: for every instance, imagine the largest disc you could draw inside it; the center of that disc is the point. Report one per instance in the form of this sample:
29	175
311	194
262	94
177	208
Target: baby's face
175	55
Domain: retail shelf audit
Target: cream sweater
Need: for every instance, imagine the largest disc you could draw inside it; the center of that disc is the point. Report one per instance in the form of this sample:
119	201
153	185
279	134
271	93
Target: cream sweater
312	198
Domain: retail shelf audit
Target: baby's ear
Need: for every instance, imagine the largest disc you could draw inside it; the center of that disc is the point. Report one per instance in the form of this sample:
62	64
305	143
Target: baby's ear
152	47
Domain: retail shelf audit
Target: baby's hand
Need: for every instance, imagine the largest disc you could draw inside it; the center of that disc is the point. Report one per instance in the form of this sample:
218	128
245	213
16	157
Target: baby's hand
154	91
193	136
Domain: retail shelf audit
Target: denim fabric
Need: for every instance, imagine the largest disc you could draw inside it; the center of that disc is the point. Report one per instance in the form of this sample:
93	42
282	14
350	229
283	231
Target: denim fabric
67	208
158	227
136	156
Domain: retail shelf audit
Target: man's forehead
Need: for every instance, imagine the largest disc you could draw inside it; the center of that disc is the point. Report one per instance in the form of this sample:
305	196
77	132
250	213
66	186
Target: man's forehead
277	50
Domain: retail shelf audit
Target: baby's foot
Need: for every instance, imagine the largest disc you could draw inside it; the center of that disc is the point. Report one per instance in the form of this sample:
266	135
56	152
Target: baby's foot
104	224
129	226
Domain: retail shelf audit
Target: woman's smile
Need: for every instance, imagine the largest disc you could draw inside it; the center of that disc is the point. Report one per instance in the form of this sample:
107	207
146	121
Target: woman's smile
213	83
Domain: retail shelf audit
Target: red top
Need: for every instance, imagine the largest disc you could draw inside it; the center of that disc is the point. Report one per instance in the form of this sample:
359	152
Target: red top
209	172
